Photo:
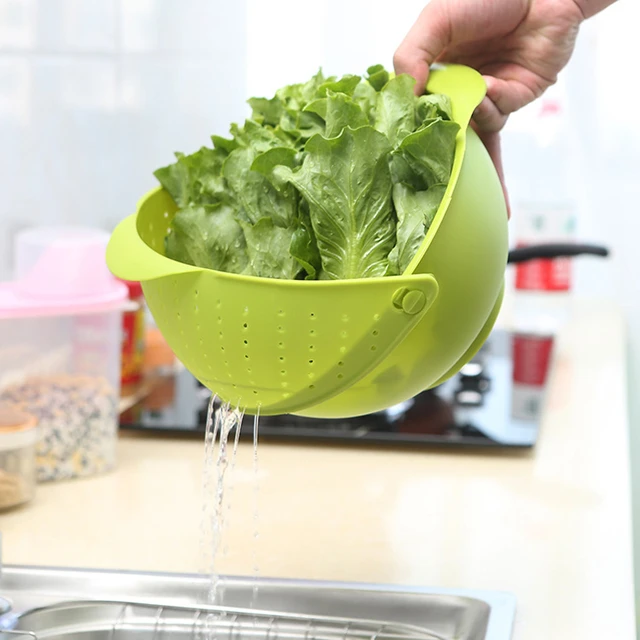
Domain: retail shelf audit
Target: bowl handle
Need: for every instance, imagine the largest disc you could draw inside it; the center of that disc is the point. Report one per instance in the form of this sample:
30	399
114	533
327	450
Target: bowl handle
130	258
404	302
464	85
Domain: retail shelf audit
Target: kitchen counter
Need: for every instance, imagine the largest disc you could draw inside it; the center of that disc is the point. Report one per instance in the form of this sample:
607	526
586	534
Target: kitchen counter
552	525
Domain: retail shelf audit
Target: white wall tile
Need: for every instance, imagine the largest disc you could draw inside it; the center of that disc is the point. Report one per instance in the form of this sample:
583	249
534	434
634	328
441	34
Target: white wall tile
77	25
15	90
17	24
367	32
138	25
84	126
213	27
279	52
173	104
62	165
76	83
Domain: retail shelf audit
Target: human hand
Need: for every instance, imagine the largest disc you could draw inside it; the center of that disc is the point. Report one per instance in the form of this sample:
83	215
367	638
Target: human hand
519	46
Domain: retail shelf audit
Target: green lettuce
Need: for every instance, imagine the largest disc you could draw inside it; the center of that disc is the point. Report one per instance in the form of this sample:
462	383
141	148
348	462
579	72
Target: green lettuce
332	178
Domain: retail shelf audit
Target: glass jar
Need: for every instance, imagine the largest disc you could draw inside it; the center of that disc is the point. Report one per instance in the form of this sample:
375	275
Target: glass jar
18	438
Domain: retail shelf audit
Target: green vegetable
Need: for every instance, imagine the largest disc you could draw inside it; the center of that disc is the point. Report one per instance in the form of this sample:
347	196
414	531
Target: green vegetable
333	178
347	183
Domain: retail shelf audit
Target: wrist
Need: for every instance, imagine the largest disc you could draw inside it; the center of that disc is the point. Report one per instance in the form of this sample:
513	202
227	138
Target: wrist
589	8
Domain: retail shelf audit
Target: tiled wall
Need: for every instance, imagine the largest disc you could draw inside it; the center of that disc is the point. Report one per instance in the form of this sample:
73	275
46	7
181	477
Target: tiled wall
95	94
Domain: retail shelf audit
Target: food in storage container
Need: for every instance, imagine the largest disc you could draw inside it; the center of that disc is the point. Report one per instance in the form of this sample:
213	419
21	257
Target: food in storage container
79	416
18	437
60	348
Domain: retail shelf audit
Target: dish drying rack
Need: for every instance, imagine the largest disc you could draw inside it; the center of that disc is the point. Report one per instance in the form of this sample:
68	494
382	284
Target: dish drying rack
112	620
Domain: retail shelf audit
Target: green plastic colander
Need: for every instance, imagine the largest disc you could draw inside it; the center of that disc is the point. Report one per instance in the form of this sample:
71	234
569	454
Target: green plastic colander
336	348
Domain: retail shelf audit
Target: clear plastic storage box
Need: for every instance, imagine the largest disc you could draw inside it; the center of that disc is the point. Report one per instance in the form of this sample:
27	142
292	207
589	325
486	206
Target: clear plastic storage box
60	348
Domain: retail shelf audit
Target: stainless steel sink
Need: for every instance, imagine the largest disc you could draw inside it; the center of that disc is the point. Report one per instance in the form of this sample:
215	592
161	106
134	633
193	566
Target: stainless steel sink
74	604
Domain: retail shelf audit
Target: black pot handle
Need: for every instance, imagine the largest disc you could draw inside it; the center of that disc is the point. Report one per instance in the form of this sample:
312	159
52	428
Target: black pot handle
560	250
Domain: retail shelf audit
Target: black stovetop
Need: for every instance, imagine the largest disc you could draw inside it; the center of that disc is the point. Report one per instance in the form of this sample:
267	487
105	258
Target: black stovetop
481	406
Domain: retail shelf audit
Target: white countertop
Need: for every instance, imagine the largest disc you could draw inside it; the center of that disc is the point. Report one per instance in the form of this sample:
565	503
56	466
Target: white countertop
552	525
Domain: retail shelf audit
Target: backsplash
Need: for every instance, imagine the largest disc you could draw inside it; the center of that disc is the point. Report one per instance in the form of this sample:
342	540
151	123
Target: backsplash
95	94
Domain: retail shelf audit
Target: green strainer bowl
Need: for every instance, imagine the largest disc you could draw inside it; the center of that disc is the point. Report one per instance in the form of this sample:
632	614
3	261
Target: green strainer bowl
336	348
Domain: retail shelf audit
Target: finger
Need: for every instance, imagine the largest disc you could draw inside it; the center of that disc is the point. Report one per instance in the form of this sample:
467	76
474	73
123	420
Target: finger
487	116
491	141
512	89
424	42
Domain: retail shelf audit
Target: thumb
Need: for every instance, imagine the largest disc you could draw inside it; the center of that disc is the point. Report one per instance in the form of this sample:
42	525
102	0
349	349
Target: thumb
425	41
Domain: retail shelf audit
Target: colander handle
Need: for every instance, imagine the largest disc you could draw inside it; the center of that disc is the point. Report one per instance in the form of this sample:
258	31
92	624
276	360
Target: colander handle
409	299
130	258
464	85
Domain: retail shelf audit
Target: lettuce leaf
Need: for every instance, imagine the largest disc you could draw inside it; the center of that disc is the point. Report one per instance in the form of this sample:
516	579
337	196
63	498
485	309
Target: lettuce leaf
425	157
268	250
396	109
347	183
208	236
329	178
416	210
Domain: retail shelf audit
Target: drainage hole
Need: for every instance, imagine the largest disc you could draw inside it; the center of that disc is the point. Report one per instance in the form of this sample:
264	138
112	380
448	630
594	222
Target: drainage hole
375	333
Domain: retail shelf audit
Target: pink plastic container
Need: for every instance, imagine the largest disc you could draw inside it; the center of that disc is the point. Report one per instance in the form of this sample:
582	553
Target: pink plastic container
60	347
